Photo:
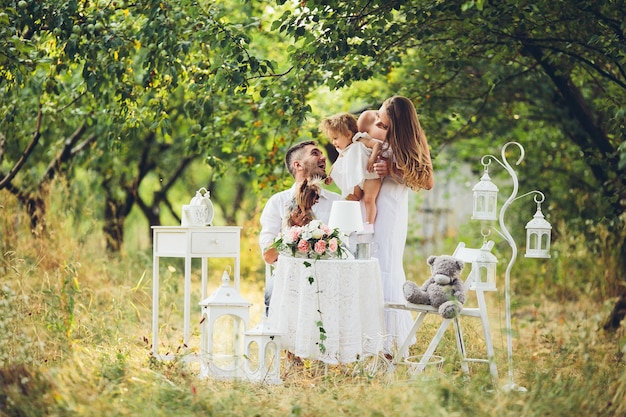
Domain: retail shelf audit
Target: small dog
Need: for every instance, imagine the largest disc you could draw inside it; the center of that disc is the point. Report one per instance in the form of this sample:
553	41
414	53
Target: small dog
299	209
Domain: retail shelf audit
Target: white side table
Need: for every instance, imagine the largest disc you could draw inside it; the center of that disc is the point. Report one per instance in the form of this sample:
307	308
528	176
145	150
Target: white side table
190	242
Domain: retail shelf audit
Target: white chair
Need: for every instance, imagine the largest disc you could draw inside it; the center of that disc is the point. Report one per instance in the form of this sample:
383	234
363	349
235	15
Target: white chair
467	255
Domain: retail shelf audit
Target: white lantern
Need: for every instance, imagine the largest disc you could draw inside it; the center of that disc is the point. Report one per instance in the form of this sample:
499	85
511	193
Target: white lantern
485	199
262	353
484	269
226	314
538	233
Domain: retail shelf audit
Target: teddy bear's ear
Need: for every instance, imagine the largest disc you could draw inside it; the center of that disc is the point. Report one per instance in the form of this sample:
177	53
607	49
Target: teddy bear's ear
431	260
460	264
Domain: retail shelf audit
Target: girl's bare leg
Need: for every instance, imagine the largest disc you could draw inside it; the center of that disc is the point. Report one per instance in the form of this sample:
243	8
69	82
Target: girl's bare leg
371	188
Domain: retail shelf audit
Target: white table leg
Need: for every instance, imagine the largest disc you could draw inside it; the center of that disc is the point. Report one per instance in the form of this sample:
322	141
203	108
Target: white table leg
155	306
205	273
187	306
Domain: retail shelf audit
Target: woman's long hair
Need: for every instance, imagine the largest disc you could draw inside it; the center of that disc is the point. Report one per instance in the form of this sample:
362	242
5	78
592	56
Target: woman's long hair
408	143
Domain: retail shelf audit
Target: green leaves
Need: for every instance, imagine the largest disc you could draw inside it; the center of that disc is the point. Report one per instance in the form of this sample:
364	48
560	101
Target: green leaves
323	337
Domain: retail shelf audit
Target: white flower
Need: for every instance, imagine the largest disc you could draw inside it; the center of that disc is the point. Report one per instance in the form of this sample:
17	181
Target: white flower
317	233
314	224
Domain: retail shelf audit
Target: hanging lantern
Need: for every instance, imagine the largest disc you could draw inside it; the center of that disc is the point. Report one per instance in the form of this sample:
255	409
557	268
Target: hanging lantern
224	313
262	353
484	269
538	233
485	198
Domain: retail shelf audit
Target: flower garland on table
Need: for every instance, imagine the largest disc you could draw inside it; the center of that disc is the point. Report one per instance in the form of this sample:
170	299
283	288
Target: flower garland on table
314	240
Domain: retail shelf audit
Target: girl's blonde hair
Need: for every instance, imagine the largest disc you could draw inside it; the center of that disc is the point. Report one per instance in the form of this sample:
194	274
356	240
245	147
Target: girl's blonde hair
408	143
344	123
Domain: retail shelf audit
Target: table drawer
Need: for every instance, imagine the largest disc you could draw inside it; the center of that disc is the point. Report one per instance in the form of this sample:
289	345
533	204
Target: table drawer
210	243
170	244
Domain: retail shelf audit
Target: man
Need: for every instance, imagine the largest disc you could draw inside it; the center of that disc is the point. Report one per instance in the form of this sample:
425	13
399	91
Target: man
304	160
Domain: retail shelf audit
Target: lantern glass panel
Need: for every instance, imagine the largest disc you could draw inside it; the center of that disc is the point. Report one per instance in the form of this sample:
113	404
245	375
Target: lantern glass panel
226	349
252	354
491	204
545	241
537	244
272	357
480	203
485	278
485	205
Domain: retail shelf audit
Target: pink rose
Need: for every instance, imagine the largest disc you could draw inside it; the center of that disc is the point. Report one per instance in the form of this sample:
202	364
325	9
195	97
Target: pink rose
333	245
294	233
303	246
320	246
326	229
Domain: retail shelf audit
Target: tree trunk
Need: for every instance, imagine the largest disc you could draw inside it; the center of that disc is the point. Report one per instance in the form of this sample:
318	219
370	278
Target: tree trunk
113	225
618	313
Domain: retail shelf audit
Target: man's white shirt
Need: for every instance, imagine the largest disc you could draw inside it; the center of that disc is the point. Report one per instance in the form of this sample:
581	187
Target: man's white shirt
275	209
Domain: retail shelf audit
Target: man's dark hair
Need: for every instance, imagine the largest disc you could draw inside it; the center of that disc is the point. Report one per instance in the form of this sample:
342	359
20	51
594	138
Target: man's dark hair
293	153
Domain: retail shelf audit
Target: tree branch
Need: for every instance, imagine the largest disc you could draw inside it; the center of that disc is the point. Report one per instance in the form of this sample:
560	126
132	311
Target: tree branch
66	153
575	102
25	155
3	144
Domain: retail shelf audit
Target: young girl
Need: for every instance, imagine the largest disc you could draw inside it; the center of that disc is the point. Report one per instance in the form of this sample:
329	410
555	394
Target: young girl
353	169
299	208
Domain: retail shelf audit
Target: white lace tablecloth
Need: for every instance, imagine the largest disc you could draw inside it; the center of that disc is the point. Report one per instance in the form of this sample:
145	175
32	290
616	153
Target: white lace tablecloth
345	295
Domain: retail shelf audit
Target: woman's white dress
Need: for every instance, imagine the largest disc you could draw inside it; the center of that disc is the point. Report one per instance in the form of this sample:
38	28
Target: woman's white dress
390	231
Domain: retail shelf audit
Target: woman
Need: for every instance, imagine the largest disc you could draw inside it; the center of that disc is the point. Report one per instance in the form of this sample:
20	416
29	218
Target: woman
409	167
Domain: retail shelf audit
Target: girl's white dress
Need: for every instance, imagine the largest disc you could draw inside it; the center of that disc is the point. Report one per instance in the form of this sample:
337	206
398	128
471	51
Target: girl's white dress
350	168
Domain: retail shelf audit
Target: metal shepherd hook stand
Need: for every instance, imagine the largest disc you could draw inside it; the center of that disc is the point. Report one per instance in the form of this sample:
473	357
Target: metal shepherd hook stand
485	203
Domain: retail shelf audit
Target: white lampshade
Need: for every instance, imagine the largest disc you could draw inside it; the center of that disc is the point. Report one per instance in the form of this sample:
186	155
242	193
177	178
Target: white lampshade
346	216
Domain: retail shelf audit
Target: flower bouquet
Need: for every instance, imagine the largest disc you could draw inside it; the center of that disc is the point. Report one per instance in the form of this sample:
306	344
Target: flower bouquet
314	240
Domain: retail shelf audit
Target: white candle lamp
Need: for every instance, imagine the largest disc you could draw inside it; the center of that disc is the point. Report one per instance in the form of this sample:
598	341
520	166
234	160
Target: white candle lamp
484	269
224	313
538	234
262	353
485	195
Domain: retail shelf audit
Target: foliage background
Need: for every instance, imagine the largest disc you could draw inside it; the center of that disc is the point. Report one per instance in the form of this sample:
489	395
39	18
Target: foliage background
141	103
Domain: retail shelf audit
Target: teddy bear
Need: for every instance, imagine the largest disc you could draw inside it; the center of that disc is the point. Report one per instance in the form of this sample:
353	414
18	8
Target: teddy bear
443	290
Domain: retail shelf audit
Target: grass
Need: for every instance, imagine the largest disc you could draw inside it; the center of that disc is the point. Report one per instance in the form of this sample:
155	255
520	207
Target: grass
75	331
